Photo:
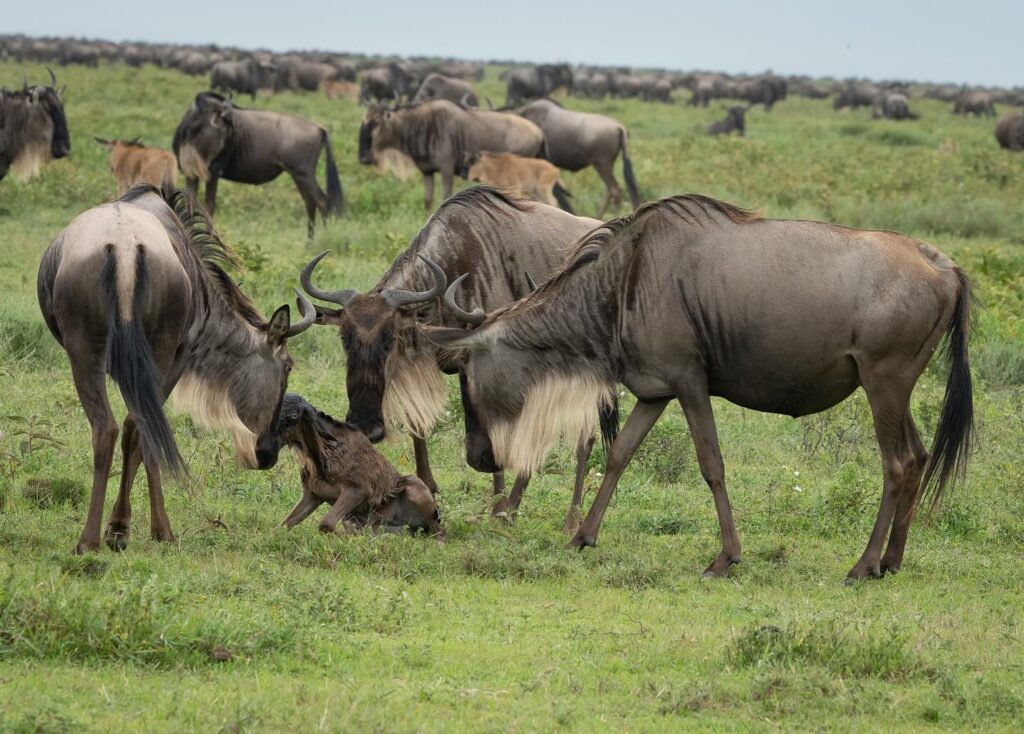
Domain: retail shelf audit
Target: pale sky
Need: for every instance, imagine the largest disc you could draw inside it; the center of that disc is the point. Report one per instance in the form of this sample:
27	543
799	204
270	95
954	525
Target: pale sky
974	42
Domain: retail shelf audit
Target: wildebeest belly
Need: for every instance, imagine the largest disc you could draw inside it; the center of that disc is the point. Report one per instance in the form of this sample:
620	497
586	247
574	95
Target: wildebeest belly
790	389
260	173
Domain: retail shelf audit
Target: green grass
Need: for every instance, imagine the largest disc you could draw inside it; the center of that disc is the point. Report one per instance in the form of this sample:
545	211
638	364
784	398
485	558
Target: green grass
242	626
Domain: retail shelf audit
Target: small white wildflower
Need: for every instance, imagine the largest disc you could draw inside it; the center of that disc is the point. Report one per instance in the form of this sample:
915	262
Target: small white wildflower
796	474
796	488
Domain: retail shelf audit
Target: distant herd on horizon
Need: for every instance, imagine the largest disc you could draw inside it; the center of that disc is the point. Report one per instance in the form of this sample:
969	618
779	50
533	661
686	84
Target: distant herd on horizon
544	316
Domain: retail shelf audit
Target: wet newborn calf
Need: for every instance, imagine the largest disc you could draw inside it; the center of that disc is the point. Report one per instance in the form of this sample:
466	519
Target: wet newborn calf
339	465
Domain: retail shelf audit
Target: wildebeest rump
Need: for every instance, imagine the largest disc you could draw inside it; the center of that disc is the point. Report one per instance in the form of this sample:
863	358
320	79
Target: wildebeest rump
215	139
531	177
535	81
339	465
690	298
136	289
33	128
574	140
393	373
1010	131
133	163
441	136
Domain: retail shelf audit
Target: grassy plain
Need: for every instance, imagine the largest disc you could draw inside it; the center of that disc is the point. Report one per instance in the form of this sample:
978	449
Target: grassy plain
241	626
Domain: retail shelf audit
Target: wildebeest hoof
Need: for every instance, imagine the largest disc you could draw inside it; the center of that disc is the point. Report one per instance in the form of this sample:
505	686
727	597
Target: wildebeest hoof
500	509
116	536
583	540
326	529
84	547
861	572
719	567
162	535
572	522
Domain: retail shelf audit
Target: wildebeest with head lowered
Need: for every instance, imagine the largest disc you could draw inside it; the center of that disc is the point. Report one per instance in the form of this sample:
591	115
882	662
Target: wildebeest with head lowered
215	139
441	136
385	83
394	375
33	128
136	289
439	86
575	140
133	163
1010	131
531	177
690	298
535	81
243	77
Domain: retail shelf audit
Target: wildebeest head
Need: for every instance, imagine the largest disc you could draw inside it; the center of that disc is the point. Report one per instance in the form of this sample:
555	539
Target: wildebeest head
371	326
203	133
376	132
50	99
34	126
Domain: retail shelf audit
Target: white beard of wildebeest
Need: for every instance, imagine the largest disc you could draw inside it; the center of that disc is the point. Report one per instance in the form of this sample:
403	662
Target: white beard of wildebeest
414	394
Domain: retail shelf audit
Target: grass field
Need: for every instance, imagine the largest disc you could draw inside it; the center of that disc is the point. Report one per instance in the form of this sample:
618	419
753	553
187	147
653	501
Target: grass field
242	626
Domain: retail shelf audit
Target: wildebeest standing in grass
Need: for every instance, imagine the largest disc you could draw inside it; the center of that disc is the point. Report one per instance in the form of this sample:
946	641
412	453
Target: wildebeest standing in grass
133	163
391	82
892	106
439	86
575	140
215	139
443	137
535	81
531	177
766	89
690	298
393	374
33	128
854	94
1010	131
339	465
974	102
241	77
735	122
135	289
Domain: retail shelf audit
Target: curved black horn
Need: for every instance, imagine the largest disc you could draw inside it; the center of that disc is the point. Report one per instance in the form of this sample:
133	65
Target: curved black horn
396	298
472	318
342	297
53	78
308	315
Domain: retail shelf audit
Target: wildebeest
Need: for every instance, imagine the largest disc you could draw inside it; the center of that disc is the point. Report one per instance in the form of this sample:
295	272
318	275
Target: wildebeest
243	77
385	83
133	163
439	86
892	106
136	289
215	139
531	177
340	89
339	465
735	122
974	102
33	128
535	81
853	94
441	136
393	373
575	140
1010	131
766	89
689	298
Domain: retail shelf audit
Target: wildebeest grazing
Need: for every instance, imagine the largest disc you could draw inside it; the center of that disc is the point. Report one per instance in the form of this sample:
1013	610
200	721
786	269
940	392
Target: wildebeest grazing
136	289
386	83
689	298
853	94
215	139
242	77
735	122
1010	131
443	137
535	81
531	177
133	163
575	140
892	106
974	102
33	128
339	465
765	89
439	86
394	373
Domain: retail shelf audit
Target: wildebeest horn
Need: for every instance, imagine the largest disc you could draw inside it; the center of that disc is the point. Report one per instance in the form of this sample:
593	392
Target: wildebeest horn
396	298
53	78
342	297
530	282
490	104
473	318
308	315
24	84
464	102
101	141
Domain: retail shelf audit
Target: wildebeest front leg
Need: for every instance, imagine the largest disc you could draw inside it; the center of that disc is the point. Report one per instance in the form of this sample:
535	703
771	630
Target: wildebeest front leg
573	517
696	403
348	500
447	181
419	448
192	186
428	190
303	508
637	426
211	194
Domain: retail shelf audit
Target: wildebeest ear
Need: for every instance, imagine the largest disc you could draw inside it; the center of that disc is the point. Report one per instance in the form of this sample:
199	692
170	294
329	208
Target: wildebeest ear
328	316
277	329
450	338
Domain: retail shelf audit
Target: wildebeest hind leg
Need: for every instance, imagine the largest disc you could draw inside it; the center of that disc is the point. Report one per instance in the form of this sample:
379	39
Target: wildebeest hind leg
913	466
638	425
211	194
428	190
583	450
613	192
312	197
119	525
696	403
348	500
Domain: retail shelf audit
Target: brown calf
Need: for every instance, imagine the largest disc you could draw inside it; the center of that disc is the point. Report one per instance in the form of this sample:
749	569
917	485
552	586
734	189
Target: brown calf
133	163
340	89
338	464
532	177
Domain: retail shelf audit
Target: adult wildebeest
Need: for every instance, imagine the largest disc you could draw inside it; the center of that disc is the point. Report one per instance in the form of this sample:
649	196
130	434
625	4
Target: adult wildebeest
386	83
33	128
892	106
690	297
243	77
441	136
766	90
133	163
1010	131
974	102
852	95
735	122
531	177
535	81
216	139
136	289
439	86
338	465
575	140
393	373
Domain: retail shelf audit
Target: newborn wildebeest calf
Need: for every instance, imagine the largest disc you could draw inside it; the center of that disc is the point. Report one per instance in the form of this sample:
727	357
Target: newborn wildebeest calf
338	464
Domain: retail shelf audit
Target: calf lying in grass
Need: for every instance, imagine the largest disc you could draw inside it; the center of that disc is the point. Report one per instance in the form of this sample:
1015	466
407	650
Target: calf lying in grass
339	465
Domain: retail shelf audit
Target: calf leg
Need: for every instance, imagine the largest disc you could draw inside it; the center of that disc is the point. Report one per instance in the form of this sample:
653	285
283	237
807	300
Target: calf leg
638	425
419	447
348	500
583	450
303	508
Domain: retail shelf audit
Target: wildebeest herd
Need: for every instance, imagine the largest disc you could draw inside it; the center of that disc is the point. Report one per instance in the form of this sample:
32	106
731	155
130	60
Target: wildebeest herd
542	314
